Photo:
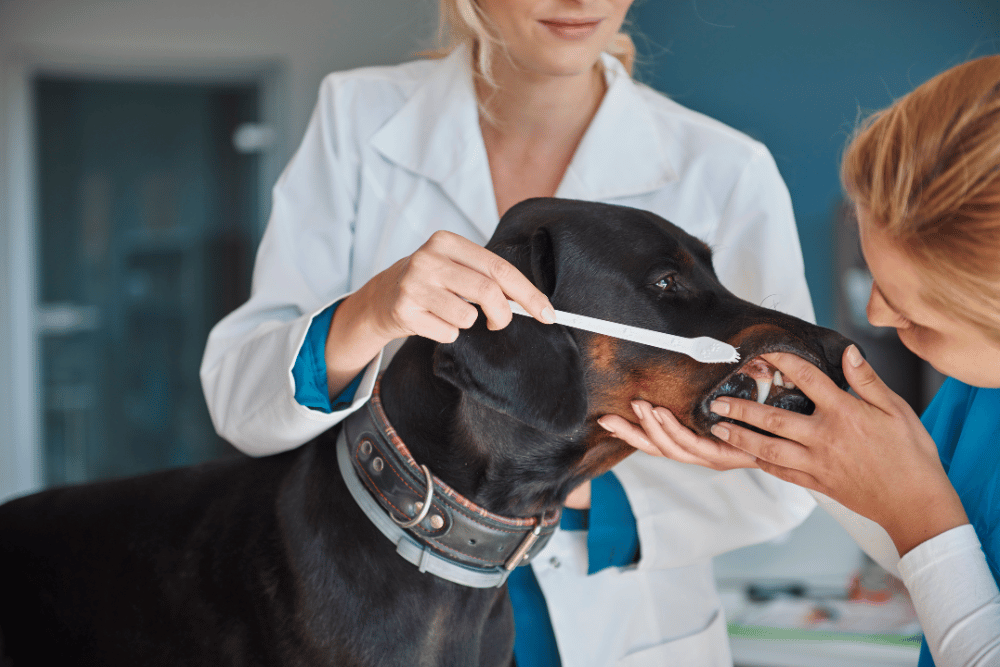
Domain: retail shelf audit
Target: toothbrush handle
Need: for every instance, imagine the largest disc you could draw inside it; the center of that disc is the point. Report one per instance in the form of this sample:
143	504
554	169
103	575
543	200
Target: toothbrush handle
701	349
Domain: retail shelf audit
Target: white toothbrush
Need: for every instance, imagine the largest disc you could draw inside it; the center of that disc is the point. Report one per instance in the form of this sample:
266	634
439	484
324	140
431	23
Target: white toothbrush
704	349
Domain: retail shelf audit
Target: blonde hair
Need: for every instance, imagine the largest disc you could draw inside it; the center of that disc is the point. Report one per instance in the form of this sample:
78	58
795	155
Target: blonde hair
927	171
464	22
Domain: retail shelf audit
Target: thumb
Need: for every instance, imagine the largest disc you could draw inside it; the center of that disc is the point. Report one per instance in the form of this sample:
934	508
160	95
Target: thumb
863	379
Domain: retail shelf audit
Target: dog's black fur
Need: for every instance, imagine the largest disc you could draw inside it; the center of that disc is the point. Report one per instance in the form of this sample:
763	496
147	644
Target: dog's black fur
270	562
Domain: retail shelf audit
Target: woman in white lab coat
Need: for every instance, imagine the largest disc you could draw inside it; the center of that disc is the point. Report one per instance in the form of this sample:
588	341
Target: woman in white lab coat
376	234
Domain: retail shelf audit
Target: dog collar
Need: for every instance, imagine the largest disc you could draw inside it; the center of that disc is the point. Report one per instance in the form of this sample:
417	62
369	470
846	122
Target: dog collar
433	526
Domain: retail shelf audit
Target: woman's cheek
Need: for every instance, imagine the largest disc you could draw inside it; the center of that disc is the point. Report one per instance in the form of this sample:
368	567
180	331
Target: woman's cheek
927	344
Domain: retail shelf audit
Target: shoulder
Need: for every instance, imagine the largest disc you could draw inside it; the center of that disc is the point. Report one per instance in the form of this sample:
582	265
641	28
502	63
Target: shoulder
688	134
961	413
354	104
383	85
954	398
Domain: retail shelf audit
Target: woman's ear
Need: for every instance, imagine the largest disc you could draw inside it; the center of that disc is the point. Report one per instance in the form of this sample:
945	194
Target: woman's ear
529	371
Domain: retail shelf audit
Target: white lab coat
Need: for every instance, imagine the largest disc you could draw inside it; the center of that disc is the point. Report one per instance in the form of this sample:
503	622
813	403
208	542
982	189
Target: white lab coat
394	153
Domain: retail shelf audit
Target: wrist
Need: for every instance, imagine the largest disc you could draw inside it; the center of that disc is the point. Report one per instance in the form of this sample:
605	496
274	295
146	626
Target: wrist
352	342
916	524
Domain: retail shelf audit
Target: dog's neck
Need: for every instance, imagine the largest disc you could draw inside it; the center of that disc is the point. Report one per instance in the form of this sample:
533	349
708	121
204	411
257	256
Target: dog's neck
492	459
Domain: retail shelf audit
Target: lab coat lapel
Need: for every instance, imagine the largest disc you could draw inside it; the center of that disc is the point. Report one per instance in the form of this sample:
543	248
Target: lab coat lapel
436	135
623	152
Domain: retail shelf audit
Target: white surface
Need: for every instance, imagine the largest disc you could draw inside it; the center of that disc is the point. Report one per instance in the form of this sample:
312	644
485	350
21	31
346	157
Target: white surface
819	551
802	653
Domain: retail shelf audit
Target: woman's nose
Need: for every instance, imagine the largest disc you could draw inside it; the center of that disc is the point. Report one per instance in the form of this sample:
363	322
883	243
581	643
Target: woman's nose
878	311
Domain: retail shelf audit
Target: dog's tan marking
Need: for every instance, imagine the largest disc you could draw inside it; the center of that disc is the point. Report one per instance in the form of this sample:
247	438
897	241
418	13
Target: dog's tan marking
603	353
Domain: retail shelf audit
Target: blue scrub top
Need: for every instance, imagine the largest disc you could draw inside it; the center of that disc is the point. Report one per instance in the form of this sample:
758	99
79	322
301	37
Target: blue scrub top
965	424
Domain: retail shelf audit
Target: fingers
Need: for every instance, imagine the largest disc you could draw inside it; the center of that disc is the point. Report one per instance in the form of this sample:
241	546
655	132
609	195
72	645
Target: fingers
824	391
484	278
813	382
427	324
661	434
629	432
783	459
791	475
865	381
782	423
514	285
704	451
774	452
417	299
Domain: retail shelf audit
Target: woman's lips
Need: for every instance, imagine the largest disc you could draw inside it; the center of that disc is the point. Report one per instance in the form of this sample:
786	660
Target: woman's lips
572	28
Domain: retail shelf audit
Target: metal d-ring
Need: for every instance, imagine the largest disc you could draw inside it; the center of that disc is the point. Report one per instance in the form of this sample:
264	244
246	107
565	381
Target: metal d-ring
423	510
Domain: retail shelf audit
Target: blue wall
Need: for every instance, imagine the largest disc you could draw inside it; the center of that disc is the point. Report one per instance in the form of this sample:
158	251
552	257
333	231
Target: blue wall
795	74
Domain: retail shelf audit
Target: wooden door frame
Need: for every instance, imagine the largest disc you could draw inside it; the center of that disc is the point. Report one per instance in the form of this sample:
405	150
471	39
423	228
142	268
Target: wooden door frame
21	434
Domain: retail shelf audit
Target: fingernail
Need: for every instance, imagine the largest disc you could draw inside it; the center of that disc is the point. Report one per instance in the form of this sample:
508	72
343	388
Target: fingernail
636	409
720	407
720	432
549	315
605	426
658	417
854	357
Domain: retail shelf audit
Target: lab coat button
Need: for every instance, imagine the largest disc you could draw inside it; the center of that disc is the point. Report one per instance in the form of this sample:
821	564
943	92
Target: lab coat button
554	563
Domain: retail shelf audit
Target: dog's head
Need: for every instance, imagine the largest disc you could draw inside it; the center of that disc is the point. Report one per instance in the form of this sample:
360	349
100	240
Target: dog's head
633	267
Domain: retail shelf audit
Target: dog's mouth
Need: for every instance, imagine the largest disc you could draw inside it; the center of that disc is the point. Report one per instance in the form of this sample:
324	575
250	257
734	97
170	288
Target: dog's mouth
758	380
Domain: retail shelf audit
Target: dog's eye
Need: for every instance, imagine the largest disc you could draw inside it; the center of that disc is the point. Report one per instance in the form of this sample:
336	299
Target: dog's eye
666	284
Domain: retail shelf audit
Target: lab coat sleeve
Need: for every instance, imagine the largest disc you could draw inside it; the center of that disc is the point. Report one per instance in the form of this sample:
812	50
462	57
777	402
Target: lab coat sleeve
686	513
956	598
871	537
302	266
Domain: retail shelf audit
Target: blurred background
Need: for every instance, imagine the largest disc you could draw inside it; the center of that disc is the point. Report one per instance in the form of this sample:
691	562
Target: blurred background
139	140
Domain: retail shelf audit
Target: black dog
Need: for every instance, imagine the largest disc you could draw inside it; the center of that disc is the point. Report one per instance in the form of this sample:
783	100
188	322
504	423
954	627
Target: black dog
273	562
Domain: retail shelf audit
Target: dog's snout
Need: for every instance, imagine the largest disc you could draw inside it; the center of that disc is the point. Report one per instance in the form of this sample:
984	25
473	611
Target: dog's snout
833	345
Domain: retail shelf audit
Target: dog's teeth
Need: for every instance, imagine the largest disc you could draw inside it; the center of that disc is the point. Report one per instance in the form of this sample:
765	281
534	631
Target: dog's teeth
763	389
778	380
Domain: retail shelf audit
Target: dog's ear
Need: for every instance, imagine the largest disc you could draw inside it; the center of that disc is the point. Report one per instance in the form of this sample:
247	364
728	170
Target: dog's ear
528	245
529	371
543	261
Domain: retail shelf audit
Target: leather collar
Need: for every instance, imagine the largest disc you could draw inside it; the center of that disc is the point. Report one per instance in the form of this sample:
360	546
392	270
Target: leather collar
455	538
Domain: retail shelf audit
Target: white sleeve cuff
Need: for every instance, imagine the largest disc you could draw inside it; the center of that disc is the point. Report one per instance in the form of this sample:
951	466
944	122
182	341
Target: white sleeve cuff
956	598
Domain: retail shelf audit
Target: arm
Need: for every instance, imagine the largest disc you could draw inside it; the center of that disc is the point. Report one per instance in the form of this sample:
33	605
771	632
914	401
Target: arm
872	455
870	536
303	266
875	456
960	615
